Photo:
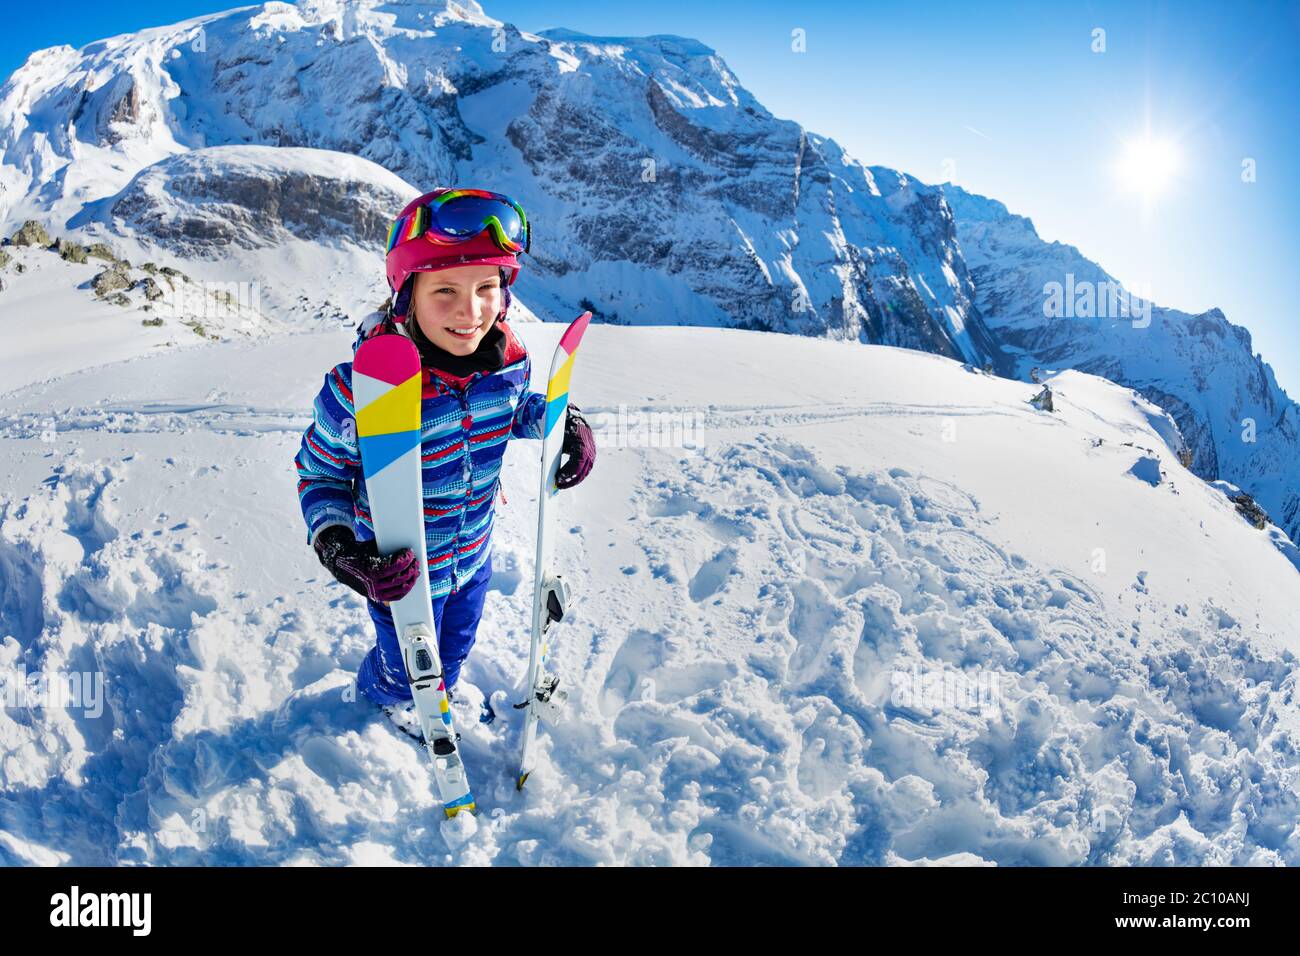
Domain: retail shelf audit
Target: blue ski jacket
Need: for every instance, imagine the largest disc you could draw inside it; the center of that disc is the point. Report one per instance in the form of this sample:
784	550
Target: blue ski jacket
465	424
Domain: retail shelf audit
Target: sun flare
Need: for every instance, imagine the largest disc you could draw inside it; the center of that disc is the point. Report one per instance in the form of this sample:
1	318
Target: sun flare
1148	166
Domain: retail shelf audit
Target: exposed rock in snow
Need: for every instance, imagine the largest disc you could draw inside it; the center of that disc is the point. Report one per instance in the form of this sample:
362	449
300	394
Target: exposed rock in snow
201	203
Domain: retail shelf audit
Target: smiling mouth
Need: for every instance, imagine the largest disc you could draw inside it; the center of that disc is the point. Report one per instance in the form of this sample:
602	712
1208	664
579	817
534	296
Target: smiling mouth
465	333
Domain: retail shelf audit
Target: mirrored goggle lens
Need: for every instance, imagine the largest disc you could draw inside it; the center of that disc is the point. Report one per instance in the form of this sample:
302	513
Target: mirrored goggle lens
466	217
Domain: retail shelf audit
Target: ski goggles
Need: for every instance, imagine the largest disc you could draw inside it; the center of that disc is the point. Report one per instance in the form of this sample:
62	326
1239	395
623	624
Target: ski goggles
460	215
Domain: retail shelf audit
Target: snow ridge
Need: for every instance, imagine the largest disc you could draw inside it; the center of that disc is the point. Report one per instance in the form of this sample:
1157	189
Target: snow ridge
1240	424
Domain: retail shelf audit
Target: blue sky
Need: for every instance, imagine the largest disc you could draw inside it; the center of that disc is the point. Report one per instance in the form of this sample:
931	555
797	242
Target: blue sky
1010	100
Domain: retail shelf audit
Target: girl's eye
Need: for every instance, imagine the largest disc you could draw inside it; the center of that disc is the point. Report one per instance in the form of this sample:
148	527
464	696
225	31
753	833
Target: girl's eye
486	288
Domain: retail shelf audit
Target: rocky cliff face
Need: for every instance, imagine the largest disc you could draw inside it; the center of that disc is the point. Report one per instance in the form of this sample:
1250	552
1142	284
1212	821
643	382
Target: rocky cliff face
203	202
662	191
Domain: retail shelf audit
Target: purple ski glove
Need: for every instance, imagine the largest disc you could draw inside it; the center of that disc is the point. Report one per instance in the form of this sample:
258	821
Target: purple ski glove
580	446
382	578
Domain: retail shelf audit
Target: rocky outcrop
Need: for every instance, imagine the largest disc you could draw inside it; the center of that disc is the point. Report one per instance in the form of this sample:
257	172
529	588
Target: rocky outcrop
1251	511
71	251
112	279
31	233
152	291
203	201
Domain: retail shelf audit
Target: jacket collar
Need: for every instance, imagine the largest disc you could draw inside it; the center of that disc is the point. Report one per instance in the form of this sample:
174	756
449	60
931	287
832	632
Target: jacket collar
435	380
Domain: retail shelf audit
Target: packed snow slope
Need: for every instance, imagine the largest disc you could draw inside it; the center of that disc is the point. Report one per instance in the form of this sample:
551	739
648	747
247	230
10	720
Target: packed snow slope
845	604
53	323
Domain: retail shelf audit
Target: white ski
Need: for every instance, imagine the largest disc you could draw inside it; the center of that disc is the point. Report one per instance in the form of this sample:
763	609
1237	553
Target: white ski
386	384
550	591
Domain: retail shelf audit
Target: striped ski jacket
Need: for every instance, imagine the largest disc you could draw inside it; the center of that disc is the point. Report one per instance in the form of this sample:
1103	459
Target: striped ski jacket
465	424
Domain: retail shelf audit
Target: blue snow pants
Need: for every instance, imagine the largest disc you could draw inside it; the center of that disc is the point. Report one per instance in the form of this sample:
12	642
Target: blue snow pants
382	676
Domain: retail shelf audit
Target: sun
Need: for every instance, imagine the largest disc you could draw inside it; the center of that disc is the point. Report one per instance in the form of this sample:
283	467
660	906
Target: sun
1148	166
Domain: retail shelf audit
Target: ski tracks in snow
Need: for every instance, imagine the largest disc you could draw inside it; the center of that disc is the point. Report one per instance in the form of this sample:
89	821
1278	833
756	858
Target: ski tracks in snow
771	660
840	667
136	417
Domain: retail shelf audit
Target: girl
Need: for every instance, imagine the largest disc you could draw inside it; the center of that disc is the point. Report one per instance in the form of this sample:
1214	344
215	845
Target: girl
452	256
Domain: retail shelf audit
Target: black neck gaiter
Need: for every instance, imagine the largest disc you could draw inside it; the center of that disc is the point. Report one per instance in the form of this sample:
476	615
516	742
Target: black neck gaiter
488	357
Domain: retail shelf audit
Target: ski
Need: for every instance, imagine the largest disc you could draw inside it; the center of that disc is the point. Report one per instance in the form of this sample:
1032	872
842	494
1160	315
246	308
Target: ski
550	591
386	387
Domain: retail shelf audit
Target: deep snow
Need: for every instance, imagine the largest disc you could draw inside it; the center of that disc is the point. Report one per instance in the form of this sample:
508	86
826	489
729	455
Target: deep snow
882	611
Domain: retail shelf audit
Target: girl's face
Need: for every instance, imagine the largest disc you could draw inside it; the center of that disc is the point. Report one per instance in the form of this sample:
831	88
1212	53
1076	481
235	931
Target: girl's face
457	307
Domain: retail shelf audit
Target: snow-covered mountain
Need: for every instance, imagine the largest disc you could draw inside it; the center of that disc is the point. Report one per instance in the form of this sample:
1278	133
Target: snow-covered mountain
889	613
661	190
1240	425
271	143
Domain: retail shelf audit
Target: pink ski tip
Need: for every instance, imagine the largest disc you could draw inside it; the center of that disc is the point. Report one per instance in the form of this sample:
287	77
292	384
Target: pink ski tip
388	358
572	336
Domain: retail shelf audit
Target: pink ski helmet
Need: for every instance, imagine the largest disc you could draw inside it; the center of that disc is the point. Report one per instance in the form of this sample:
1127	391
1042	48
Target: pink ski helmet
447	228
